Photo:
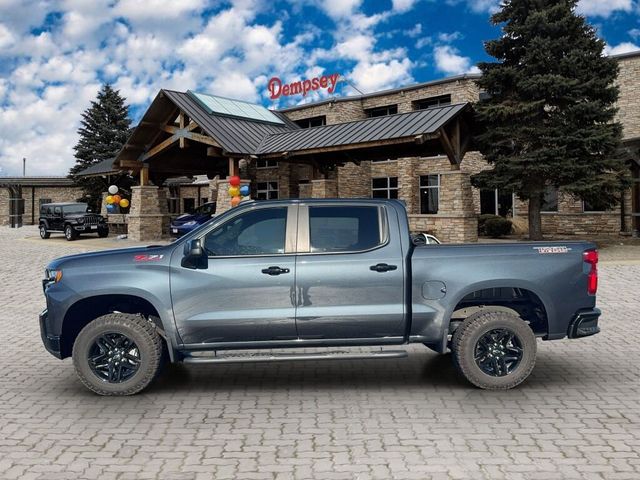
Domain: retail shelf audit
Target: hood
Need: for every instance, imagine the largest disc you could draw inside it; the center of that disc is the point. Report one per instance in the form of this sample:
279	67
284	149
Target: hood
131	255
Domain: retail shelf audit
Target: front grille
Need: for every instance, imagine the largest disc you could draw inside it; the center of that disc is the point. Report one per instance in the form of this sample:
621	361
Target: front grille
91	219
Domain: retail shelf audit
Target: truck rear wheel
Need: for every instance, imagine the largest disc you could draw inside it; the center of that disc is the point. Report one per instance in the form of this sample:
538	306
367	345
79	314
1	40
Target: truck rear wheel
118	354
44	233
494	350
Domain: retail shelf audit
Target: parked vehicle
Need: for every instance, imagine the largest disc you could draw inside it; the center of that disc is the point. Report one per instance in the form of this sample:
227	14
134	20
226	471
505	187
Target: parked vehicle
192	220
314	273
420	239
71	219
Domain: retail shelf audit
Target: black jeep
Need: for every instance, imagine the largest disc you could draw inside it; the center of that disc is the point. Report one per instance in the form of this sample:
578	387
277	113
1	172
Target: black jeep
72	219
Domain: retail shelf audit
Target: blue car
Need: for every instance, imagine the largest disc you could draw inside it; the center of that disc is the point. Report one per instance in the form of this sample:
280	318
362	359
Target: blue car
188	221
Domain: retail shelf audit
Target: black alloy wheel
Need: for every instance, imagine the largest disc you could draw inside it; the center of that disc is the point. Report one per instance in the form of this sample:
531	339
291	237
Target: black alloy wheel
69	233
114	357
498	352
44	233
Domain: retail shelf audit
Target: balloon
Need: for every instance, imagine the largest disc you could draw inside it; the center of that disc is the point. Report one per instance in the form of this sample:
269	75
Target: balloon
113	189
235	201
234	191
124	203
234	181
109	199
116	199
111	208
244	190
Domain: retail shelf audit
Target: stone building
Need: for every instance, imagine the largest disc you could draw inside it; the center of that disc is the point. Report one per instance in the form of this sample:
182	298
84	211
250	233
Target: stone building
412	143
34	191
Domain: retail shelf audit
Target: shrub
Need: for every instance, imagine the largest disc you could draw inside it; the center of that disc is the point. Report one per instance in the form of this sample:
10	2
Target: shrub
497	227
482	219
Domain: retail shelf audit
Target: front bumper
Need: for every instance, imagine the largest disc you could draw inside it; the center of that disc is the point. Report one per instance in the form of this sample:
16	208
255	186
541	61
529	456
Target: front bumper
51	342
179	230
89	228
584	324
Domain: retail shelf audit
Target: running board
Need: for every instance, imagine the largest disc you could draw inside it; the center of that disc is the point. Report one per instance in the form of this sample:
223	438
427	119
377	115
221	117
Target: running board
290	357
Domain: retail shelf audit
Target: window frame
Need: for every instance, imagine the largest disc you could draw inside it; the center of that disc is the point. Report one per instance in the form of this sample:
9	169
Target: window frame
308	120
438	187
290	235
387	189
304	228
369	112
266	166
267	190
415	105
584	209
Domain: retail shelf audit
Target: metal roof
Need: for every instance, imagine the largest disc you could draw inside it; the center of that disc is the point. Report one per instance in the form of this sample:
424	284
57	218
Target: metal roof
37	181
391	127
105	167
235	135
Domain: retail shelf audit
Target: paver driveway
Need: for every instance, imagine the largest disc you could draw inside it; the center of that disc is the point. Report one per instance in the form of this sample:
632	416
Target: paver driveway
578	416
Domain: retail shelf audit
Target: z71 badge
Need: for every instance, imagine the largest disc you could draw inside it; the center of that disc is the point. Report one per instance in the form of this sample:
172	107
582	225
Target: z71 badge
147	258
545	250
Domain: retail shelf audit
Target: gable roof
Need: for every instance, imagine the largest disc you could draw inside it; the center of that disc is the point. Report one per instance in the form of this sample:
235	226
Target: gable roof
105	167
390	127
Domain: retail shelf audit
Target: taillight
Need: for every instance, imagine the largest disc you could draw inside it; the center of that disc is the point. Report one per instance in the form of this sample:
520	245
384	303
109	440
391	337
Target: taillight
591	257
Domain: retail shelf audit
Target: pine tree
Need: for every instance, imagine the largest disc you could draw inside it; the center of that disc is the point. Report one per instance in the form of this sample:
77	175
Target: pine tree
549	116
104	130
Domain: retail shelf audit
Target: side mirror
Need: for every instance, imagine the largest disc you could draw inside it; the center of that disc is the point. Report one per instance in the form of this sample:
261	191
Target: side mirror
195	256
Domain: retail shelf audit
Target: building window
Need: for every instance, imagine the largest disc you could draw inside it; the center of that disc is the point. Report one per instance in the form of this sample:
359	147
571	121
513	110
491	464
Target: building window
429	194
381	111
593	206
432	102
267	190
173	200
188	204
312	122
496	202
266	163
550	200
385	187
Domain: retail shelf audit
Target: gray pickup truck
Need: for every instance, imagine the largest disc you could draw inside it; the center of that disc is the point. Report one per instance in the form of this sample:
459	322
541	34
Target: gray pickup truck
314	273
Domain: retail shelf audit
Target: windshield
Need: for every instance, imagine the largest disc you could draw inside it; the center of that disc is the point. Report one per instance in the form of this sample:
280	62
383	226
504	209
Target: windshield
206	209
75	208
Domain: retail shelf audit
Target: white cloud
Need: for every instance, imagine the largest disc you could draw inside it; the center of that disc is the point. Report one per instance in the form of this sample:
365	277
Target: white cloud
423	42
603	8
6	37
449	61
624	47
634	32
370	77
157	9
339	8
416	31
403	5
478	6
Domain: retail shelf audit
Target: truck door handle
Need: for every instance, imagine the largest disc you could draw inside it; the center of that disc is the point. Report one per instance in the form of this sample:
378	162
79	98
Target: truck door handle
383	267
274	270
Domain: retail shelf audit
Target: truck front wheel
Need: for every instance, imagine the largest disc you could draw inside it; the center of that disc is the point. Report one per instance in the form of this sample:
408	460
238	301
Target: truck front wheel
494	350
118	354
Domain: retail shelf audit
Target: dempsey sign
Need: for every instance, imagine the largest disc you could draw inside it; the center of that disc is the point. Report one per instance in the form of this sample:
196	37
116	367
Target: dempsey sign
277	89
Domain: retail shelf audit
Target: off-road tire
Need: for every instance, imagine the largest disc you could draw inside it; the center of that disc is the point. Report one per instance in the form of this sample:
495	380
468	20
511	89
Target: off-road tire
464	342
103	232
69	233
142	331
44	233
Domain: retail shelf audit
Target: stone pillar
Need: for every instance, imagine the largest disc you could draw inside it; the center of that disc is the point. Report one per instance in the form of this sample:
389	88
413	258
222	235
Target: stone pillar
324	188
409	184
223	199
148	216
304	190
103	204
354	181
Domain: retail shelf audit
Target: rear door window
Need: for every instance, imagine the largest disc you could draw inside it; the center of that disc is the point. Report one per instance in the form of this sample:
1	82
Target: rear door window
344	228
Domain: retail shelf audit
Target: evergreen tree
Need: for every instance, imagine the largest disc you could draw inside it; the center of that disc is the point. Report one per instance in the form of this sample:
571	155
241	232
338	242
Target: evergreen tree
548	119
104	130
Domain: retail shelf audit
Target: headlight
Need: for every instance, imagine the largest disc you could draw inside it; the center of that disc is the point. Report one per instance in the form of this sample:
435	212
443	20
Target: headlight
190	224
81	220
53	276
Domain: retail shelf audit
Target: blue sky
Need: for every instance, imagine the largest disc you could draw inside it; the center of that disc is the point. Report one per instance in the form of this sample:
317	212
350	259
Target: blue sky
54	55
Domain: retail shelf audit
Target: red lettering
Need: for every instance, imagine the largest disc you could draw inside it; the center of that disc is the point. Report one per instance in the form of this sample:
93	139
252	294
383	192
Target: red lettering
334	80
315	84
274	83
286	90
323	81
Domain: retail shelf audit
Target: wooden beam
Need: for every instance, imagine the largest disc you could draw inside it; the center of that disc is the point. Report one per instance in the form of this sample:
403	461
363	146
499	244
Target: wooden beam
144	176
198	137
448	147
130	164
181	122
159	148
214	152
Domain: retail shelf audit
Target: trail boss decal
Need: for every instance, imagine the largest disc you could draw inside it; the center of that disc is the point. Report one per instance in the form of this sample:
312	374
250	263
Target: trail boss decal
277	89
147	258
547	250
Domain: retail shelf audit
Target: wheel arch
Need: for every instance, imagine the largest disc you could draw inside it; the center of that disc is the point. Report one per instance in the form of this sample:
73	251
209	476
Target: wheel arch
85	310
532	298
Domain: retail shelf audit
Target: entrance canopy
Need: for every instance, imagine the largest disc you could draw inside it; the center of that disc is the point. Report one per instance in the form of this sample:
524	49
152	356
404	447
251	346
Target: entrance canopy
193	133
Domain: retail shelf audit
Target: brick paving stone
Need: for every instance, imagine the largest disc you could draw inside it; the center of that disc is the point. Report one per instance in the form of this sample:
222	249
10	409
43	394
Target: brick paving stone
577	417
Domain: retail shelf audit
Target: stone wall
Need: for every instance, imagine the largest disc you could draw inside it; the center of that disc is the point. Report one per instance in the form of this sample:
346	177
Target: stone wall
55	194
629	100
148	217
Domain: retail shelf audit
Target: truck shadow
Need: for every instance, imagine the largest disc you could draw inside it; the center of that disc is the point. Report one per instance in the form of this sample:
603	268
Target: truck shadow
419	370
